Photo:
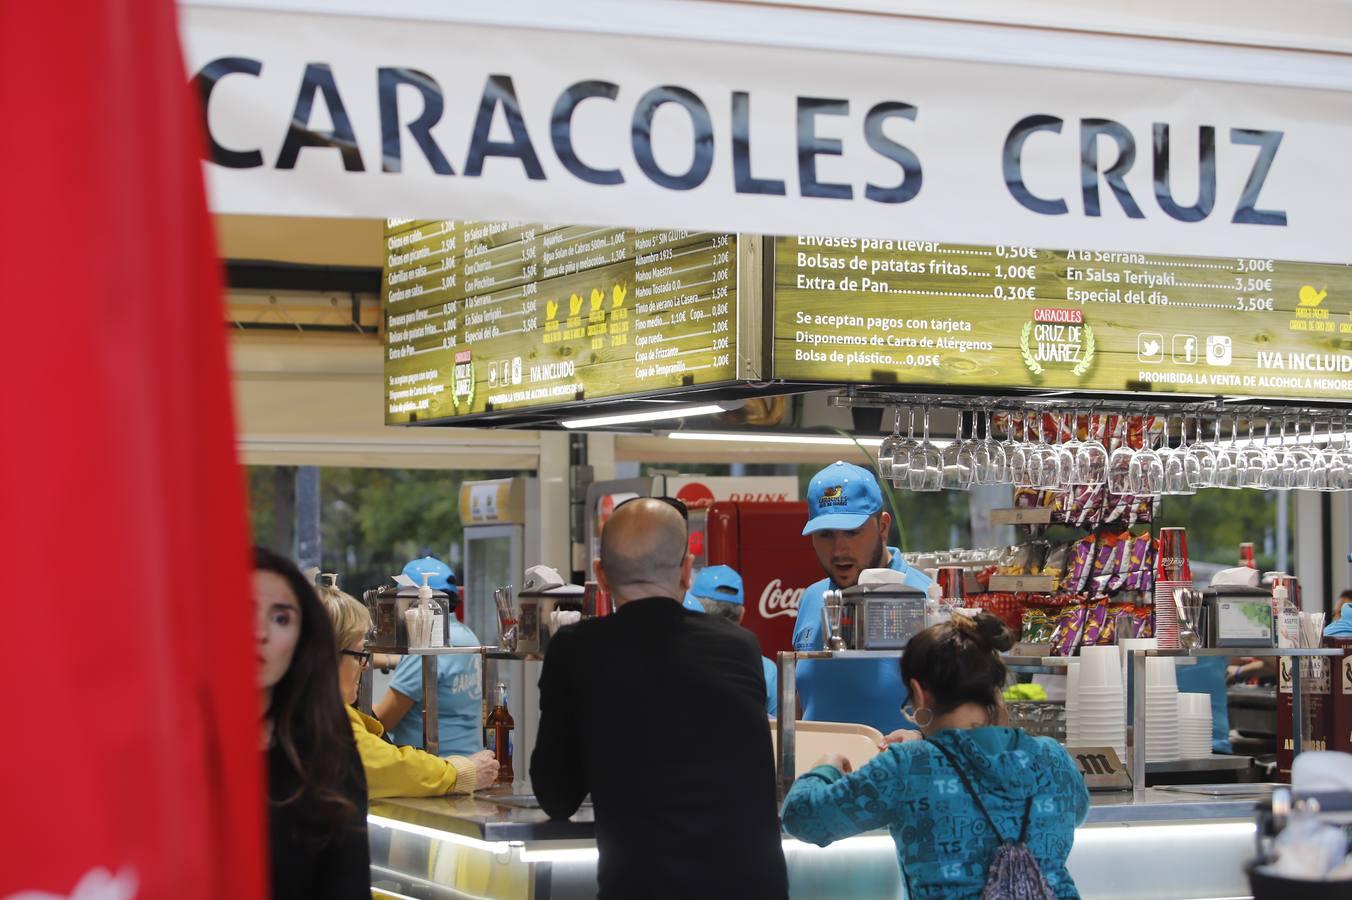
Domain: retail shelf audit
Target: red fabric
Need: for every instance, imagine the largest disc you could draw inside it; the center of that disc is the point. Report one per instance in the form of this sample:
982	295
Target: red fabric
132	738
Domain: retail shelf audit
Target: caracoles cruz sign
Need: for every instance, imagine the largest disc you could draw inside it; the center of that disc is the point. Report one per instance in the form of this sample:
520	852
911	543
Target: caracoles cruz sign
372	117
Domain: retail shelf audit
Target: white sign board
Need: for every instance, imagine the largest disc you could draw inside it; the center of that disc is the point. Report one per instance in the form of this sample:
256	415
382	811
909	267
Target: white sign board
335	115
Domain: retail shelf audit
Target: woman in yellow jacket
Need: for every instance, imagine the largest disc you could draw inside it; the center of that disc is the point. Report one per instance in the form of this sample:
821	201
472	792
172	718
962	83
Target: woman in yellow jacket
393	771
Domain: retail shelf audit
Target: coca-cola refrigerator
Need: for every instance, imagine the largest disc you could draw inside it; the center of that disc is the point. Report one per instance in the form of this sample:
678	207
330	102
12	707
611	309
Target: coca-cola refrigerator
765	543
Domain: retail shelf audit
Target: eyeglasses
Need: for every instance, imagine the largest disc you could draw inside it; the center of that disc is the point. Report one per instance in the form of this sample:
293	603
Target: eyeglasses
669	501
363	657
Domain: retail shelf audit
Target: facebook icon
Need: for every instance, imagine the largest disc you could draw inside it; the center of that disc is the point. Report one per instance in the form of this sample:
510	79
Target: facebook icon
1185	349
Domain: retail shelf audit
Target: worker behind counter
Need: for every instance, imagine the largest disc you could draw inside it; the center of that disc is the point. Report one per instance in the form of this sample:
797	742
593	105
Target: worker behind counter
717	590
849	529
459	682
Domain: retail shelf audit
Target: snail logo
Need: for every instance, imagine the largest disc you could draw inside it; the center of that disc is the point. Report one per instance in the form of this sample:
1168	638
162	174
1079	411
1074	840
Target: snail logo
1310	298
574	306
551	310
597	298
833	496
617	296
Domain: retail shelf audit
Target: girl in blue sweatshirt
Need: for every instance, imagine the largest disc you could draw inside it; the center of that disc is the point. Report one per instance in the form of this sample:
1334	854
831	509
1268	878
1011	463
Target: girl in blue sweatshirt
1028	785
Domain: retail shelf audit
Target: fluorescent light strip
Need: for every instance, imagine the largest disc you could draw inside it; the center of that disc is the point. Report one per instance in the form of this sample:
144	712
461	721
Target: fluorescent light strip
1132	834
651	415
437	834
561	855
810	440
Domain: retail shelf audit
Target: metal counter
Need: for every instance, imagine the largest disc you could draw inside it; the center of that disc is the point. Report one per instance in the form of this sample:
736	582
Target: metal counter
477	847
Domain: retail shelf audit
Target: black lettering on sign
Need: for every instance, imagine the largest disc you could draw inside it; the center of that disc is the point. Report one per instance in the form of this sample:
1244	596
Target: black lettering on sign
1090	131
810	146
1012	163
318	78
388	83
205	82
1246	211
561	130
742	179
641	137
1097	764
1206	174
911	175
499	91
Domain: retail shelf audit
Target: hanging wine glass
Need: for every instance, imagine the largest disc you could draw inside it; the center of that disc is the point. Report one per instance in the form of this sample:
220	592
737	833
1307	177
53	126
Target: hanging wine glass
1253	462
1228	471
1091	460
1119	462
1178	467
901	460
1345	457
925	470
888	448
1145	475
1202	458
1021	458
993	465
1319	466
1302	460
1046	459
959	466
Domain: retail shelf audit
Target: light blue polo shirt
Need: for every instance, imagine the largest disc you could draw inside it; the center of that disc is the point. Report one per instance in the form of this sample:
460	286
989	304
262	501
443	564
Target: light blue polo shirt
865	691
459	698
771	686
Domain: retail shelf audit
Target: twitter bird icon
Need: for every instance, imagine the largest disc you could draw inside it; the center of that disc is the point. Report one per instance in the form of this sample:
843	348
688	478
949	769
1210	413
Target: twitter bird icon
1150	347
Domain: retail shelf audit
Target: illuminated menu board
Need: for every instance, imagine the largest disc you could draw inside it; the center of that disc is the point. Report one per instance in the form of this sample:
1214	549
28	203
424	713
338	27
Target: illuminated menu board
492	316
913	312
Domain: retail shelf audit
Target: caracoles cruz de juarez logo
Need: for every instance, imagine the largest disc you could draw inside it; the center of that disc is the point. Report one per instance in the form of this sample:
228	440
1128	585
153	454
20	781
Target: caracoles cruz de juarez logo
833	496
1057	337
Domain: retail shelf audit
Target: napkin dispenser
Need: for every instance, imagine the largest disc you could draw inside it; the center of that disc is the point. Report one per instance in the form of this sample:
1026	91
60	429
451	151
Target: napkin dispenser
387	605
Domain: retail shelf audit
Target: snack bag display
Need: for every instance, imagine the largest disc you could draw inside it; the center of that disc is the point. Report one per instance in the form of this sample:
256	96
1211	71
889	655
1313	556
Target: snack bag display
1069	629
1037	626
1095	622
1080	566
1055	564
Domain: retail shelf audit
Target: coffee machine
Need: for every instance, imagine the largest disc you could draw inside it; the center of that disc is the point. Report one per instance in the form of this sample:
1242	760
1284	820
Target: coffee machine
879	613
543	598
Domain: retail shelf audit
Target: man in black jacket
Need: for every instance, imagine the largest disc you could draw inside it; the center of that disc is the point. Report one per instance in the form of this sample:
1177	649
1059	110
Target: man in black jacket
659	712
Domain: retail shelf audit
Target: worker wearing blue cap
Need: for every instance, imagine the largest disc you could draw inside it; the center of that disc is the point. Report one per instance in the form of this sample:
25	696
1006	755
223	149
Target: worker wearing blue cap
717	590
459	681
849	527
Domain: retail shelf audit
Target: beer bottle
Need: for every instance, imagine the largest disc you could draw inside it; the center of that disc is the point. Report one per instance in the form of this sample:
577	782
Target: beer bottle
499	736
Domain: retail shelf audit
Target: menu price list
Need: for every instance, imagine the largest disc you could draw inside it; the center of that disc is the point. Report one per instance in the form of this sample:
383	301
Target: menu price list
499	315
920	312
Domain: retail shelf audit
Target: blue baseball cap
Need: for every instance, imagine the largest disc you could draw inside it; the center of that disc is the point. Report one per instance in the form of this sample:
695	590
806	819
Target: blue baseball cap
842	496
443	579
715	583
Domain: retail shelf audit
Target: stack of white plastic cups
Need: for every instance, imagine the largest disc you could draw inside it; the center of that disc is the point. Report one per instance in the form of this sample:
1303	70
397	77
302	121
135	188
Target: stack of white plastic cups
1162	737
1098	717
1194	725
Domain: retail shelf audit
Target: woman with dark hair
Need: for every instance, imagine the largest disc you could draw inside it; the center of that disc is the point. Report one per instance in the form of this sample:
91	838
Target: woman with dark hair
962	787
316	791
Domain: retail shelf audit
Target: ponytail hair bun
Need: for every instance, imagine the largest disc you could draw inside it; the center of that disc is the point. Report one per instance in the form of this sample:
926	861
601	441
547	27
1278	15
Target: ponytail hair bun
990	633
959	662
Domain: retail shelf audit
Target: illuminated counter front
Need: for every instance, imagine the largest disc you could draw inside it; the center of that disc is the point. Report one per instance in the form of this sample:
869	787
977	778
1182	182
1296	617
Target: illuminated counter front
1157	844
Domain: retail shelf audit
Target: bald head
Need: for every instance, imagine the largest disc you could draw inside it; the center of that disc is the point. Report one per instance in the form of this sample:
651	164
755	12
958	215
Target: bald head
643	552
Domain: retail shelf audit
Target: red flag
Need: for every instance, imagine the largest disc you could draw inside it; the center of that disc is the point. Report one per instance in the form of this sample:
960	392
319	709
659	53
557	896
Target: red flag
131	766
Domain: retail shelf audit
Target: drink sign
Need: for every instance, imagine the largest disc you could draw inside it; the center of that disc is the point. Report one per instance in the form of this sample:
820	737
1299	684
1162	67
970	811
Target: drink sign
1101	768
